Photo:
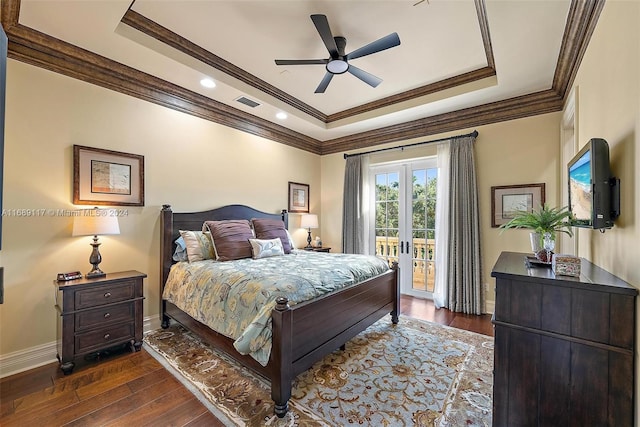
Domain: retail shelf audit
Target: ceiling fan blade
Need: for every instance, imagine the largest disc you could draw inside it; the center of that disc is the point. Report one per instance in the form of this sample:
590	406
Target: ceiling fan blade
322	25
387	42
301	61
324	83
369	79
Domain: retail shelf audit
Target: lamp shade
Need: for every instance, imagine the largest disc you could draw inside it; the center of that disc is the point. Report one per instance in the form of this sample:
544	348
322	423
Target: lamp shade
95	222
309	221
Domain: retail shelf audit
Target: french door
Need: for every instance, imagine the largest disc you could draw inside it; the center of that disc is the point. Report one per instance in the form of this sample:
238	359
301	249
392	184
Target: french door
403	227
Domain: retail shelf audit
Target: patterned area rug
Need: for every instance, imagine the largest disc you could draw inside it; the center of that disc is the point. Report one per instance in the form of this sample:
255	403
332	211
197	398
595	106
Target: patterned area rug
411	374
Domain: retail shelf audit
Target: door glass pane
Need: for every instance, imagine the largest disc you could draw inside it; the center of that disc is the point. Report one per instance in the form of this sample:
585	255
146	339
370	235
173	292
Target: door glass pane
419	215
430	195
386	214
423	228
381	187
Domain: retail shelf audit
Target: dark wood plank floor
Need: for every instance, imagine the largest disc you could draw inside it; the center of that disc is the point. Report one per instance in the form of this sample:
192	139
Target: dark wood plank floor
134	389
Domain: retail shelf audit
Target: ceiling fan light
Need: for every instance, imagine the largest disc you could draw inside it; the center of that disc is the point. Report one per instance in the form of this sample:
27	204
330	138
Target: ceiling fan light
337	66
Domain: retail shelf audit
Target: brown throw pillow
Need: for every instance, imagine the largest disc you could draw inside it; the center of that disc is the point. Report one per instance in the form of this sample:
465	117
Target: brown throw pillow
270	229
230	239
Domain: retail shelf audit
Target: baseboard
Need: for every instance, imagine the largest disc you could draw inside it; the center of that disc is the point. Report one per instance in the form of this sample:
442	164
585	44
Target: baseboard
490	307
23	360
151	323
30	358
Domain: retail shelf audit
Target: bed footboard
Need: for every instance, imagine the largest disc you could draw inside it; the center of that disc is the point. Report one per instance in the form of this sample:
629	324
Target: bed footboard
305	333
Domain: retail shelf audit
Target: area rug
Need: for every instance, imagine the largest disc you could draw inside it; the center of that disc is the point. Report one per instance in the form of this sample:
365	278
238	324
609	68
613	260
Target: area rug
415	373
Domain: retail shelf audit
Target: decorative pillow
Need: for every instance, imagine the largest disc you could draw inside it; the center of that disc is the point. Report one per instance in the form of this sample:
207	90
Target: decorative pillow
230	239
180	254
266	248
270	229
198	244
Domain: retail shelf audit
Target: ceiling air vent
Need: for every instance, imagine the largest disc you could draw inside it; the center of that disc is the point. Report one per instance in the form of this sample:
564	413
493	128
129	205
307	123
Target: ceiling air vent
248	102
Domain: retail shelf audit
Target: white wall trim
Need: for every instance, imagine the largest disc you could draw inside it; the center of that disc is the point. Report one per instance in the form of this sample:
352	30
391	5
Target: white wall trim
30	358
490	307
23	360
151	323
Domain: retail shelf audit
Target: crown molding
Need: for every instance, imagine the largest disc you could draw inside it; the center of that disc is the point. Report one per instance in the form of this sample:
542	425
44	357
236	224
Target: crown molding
510	109
38	49
581	22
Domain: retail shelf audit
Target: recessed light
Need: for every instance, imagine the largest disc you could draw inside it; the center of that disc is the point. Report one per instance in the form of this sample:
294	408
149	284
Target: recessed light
281	115
208	83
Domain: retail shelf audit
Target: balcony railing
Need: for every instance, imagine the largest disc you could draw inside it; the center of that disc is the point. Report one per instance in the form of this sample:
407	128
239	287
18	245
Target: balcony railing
423	259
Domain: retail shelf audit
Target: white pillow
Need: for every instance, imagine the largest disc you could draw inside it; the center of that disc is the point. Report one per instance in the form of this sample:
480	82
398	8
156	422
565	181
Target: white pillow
266	248
293	245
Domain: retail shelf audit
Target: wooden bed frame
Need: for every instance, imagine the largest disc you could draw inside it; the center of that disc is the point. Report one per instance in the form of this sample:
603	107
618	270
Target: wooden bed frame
303	333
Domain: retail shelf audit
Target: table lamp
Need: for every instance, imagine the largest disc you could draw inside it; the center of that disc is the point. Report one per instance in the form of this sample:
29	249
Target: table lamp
94	222
309	221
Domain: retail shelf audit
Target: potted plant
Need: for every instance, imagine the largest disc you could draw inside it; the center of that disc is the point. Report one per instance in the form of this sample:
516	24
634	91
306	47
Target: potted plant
542	221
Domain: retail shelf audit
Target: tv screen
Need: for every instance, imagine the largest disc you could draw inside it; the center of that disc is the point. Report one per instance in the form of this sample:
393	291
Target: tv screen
580	194
594	200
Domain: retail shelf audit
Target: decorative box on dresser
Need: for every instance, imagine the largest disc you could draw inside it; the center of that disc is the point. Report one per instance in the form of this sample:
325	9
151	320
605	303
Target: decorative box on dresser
95	314
564	346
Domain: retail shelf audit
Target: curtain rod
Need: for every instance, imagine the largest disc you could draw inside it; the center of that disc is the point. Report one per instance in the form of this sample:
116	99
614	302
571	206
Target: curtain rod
402	147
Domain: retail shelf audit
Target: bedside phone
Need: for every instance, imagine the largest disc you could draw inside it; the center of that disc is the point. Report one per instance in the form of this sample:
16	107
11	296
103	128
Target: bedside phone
64	277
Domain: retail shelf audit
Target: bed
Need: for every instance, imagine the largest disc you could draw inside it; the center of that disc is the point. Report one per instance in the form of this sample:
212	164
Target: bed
298	337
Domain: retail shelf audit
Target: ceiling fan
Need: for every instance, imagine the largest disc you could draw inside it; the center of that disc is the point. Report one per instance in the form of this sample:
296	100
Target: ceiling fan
338	63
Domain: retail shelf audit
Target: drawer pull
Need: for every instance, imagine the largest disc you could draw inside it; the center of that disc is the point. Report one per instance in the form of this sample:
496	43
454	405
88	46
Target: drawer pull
107	315
107	294
107	336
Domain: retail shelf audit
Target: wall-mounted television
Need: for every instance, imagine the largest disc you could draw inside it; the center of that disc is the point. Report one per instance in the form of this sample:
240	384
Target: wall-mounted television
594	194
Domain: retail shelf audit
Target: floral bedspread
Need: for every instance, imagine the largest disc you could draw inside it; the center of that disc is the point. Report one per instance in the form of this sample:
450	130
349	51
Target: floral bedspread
235	298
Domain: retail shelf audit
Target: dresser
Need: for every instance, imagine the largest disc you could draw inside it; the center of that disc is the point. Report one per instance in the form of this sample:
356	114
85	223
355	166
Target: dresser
564	346
95	314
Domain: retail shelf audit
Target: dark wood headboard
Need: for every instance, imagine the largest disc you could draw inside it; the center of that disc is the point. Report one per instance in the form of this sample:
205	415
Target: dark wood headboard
172	222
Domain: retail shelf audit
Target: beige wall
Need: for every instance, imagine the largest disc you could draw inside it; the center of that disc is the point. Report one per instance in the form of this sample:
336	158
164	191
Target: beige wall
608	87
190	163
520	151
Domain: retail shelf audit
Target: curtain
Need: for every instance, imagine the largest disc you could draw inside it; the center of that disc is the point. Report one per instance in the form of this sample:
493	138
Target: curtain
461	288
353	219
442	226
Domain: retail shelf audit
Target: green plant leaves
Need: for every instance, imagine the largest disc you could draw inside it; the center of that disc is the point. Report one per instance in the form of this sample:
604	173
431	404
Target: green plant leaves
544	220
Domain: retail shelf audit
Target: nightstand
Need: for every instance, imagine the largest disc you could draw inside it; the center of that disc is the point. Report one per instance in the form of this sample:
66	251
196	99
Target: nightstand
99	313
318	249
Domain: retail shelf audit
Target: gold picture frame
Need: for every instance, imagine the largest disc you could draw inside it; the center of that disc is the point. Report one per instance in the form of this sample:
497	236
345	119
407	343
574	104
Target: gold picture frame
105	177
298	197
507	199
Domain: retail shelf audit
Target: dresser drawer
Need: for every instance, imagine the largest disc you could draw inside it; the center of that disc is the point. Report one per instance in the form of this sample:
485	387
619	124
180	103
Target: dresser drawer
104	337
103	316
92	297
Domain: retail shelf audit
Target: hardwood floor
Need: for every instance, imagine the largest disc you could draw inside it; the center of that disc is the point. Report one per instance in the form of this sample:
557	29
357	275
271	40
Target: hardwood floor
425	310
134	389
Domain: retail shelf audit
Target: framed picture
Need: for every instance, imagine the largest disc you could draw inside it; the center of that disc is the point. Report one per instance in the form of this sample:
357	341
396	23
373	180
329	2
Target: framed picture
105	177
298	198
506	200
